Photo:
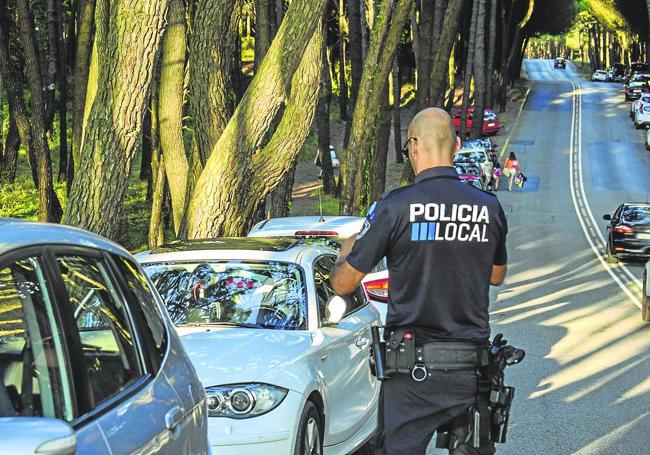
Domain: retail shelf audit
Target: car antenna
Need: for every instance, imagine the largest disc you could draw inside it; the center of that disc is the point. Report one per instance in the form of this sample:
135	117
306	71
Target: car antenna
320	206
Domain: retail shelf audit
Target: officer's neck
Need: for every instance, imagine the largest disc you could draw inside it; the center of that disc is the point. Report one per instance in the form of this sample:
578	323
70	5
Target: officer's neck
423	165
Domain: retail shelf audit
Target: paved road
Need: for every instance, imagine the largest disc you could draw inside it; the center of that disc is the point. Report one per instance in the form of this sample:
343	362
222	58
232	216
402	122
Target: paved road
584	386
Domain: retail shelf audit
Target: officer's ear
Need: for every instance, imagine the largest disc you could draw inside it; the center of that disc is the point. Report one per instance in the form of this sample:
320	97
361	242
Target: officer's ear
457	146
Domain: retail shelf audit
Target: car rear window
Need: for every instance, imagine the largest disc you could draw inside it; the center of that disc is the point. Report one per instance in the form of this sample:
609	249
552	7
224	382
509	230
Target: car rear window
636	214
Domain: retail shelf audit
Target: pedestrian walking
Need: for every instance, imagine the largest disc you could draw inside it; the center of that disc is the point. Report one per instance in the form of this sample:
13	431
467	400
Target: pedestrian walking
511	168
445	243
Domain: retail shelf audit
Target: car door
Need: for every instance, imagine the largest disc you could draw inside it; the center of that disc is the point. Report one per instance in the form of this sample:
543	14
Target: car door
38	374
352	392
120	390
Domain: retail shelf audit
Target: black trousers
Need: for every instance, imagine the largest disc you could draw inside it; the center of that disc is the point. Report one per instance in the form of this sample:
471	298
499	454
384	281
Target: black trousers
410	412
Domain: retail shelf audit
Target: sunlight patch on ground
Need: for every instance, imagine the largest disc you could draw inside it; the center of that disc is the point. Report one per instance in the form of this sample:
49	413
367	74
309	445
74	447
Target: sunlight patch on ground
636	391
610	439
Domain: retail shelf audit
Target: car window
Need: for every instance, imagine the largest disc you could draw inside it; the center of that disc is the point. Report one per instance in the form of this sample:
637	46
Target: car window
636	214
324	291
267	294
34	377
146	303
109	346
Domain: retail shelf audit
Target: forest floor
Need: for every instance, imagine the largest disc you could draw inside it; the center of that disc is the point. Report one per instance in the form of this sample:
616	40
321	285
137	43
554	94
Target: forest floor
307	185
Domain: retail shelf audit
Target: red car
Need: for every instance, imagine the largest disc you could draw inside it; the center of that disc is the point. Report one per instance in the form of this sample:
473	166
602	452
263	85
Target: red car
491	124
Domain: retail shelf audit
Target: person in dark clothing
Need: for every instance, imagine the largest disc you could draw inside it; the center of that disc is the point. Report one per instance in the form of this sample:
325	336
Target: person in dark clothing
445	243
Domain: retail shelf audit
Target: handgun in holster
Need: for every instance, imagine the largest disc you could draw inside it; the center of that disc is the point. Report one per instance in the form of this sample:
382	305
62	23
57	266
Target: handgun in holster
395	355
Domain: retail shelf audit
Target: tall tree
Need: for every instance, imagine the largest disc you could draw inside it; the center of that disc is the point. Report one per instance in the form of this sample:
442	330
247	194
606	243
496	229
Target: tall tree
343	81
647	3
170	111
492	48
469	69
49	206
385	37
424	60
245	165
62	84
125	55
84	44
323	125
211	98
263	29
480	77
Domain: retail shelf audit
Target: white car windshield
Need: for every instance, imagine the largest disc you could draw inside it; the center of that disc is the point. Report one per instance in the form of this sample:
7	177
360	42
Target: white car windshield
268	295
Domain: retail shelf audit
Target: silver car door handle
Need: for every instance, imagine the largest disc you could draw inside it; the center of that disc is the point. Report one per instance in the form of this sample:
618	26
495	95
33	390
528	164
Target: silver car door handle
173	417
361	342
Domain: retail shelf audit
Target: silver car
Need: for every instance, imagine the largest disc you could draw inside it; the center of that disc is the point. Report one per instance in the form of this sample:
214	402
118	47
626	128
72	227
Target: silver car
89	361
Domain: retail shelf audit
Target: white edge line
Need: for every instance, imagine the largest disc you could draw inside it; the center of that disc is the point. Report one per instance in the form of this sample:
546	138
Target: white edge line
627	271
599	256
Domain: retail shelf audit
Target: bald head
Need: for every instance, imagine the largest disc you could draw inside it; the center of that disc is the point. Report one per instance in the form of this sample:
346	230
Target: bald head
435	134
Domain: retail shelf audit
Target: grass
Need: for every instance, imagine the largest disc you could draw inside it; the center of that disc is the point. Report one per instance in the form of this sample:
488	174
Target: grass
330	204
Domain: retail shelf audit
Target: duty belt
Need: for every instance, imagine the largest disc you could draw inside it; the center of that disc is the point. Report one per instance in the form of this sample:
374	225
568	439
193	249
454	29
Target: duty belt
450	355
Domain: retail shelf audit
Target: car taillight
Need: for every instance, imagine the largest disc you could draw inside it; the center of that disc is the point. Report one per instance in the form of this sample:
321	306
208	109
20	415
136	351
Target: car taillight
316	233
624	230
377	289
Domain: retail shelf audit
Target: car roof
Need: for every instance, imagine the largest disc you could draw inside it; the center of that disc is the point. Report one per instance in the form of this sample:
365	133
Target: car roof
235	248
345	226
20	233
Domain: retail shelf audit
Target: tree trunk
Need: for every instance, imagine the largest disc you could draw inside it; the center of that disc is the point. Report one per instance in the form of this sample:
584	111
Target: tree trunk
397	119
262	26
323	125
492	48
125	54
62	83
145	155
11	145
355	44
469	69
647	4
242	170
424	60
278	203
170	109
386	34
480	76
52	62
84	44
49	208
377	184
211	48
364	29
343	82
450	28
158	182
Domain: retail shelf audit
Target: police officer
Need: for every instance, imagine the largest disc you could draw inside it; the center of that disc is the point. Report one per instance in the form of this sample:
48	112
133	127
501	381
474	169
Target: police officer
445	242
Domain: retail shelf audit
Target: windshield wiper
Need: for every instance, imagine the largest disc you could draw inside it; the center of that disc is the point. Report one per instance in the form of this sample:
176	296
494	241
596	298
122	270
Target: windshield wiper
223	323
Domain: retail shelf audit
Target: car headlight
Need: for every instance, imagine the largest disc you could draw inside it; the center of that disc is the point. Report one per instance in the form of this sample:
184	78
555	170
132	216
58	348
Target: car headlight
242	401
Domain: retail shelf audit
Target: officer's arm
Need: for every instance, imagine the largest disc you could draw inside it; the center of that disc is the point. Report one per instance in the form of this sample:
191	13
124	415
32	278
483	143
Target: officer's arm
498	274
343	277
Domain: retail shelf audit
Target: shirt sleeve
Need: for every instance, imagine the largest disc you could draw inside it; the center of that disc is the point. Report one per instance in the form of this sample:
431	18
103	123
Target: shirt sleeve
373	239
501	254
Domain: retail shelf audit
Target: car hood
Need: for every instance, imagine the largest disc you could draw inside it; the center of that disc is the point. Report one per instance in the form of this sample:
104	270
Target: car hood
229	355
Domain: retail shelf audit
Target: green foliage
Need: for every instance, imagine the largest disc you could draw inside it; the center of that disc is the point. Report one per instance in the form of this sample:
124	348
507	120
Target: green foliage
330	204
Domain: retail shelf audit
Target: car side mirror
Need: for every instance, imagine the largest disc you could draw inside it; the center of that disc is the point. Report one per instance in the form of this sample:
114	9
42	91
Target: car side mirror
607	217
37	435
335	309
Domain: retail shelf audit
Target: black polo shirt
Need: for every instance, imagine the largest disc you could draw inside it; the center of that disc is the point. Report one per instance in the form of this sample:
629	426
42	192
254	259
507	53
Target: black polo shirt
441	238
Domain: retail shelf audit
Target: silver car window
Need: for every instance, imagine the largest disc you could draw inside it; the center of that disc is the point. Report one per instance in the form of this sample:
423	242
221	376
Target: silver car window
110	349
34	379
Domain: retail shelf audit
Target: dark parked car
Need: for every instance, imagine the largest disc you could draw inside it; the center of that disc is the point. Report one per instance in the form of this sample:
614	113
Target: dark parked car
628	232
634	89
560	63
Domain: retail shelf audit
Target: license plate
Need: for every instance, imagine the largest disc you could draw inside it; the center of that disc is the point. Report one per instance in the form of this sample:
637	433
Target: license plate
490	124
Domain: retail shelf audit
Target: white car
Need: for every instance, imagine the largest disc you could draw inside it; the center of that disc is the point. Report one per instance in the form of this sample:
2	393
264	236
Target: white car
284	361
600	75
636	105
642	117
375	284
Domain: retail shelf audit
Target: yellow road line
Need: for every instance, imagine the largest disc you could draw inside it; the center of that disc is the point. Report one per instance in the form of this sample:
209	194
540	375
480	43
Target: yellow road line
514	127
